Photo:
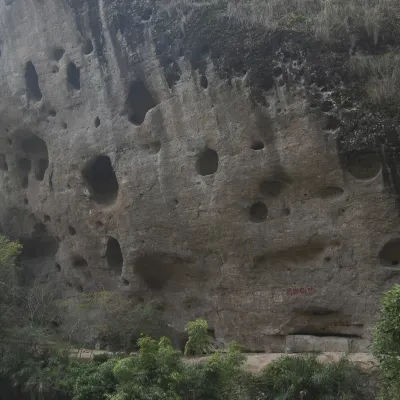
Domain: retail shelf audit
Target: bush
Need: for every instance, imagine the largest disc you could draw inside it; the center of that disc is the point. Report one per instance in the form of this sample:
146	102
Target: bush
199	340
291	377
386	344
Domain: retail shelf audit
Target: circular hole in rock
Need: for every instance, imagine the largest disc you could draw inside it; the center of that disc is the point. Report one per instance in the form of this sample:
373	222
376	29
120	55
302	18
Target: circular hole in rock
125	282
326	106
57	53
332	123
147	13
100	177
47	218
87	47
64	125
389	256
363	166
55	69
258	212
114	256
58	267
155	147
72	230
286	211
278	71
52	113
79	262
271	188
257	145
204	82
97	122
207	163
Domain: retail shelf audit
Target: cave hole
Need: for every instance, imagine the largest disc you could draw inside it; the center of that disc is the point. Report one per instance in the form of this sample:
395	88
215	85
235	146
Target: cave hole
278	71
271	188
155	147
26	201
147	13
97	122
64	125
52	113
326	106
79	288
125	282
73	76
55	69
257	145
114	256
41	168
332	123
79	262
156	270
390	253
207	163
32	82
3	162
39	245
58	267
362	165
101	180
87	47
71	230
25	165
46	218
258	212
57	53
138	102
204	82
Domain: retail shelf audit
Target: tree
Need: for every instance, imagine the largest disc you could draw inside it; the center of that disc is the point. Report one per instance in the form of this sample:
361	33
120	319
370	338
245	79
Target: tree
199	339
386	344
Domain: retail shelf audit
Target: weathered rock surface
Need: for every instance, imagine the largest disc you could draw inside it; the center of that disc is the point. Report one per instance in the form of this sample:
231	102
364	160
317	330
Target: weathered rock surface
226	170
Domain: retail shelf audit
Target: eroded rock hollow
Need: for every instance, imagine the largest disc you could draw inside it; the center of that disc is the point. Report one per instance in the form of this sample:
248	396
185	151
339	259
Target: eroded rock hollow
169	151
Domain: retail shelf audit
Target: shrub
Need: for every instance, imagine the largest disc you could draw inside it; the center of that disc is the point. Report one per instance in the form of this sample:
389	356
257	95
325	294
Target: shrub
289	377
386	344
199	339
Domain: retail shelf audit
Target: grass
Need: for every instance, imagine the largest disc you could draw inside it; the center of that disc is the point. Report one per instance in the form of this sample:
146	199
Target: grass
327	19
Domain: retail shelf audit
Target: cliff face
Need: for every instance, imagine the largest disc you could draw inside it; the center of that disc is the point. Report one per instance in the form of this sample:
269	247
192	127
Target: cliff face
175	152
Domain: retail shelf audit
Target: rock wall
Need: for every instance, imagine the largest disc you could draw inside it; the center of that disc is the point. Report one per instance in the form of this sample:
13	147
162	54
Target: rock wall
172	153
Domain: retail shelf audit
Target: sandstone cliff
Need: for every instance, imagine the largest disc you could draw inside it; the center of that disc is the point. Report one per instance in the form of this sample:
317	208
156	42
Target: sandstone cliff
231	166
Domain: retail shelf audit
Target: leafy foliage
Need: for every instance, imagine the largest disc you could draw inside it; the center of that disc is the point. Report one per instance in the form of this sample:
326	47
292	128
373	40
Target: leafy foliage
199	339
387	344
289	377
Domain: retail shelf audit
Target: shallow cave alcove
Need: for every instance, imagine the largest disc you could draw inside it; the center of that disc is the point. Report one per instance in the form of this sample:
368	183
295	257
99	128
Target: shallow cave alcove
389	256
362	165
32	82
114	256
138	102
157	269
207	163
73	76
100	177
258	212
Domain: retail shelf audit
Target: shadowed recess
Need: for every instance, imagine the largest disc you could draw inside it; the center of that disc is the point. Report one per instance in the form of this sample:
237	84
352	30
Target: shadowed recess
258	212
100	177
114	256
362	165
272	188
207	163
32	82
138	102
157	269
389	256
73	76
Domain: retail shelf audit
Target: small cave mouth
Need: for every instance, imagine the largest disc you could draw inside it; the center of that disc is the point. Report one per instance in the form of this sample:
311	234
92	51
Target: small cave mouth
326	106
272	188
204	82
207	162
97	122
258	212
3	163
147	13
114	257
73	76
71	230
100	177
389	256
362	165
57	53
79	262
157	269
138	103
257	145
41	245
41	168
32	82
87	47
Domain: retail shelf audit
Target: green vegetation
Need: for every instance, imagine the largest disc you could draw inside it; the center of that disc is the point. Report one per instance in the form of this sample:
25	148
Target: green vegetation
199	339
387	344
